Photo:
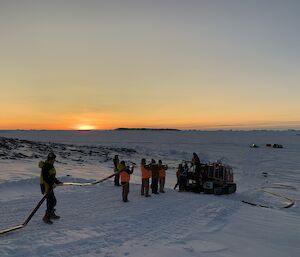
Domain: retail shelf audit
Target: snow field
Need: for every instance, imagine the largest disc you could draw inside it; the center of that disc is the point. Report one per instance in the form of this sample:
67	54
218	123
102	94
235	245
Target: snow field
95	222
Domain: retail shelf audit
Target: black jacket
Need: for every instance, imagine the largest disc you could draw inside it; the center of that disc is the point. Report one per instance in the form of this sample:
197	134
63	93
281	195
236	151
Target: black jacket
49	174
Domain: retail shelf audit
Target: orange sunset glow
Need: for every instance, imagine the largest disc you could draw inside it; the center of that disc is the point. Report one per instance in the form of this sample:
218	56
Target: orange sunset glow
193	66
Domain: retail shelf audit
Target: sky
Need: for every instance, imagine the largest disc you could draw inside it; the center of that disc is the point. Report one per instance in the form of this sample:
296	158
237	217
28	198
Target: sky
206	64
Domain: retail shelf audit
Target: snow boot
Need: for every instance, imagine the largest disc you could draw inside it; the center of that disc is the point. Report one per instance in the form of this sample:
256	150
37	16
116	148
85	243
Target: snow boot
54	216
46	218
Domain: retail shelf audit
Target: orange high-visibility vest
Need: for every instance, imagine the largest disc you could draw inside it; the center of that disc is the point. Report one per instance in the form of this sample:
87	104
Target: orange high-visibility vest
162	173
145	173
125	177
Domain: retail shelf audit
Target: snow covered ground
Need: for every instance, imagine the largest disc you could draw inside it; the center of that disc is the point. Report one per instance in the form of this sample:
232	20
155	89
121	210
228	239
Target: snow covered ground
95	222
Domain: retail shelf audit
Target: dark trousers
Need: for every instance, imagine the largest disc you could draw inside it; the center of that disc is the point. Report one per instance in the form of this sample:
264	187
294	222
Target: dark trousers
51	202
177	183
117	179
145	186
154	185
182	183
162	184
125	191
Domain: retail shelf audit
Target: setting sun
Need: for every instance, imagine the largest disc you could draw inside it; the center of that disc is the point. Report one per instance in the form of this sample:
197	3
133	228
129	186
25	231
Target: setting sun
195	66
86	127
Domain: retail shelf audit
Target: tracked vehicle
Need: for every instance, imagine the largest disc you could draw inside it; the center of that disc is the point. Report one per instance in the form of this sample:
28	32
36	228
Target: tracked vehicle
214	178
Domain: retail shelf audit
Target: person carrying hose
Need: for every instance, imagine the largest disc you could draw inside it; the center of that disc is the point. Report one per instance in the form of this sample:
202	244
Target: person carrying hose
125	173
48	181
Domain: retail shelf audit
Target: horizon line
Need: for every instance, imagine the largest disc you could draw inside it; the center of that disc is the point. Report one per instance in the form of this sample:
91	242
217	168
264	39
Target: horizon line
163	129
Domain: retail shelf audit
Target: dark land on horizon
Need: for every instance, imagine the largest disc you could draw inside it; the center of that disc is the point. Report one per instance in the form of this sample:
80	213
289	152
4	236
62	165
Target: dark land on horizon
151	129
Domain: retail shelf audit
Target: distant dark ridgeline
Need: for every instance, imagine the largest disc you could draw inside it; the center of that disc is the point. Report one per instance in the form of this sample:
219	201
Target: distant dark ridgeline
148	129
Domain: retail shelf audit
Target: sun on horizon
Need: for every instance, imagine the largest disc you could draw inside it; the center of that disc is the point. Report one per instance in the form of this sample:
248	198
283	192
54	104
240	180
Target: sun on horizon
197	65
86	127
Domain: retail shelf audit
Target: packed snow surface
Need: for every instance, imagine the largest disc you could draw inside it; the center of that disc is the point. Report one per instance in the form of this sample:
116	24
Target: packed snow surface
95	222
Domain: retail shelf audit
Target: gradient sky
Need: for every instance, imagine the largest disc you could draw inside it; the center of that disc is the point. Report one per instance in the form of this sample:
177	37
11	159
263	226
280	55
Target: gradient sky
202	64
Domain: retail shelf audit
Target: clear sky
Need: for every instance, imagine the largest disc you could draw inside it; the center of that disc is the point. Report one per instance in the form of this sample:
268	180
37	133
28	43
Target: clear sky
202	64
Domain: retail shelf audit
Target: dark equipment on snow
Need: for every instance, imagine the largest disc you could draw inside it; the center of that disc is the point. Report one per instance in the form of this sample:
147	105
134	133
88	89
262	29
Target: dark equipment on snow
274	145
277	146
214	178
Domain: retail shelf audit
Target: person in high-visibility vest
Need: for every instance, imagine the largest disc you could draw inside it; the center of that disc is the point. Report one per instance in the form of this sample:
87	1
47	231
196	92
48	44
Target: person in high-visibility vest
48	181
162	176
146	175
125	173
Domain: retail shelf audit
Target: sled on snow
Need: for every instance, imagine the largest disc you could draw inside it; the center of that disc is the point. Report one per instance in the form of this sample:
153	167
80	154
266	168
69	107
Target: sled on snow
215	178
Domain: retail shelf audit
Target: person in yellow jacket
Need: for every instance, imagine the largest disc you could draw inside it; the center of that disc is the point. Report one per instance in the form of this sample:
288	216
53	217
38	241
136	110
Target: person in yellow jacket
162	176
48	181
125	173
146	175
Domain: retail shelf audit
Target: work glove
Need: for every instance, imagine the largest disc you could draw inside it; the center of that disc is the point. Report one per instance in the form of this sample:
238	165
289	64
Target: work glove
59	183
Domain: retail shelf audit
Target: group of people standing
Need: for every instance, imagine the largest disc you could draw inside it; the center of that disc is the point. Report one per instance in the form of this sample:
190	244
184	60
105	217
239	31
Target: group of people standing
157	173
182	172
154	171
